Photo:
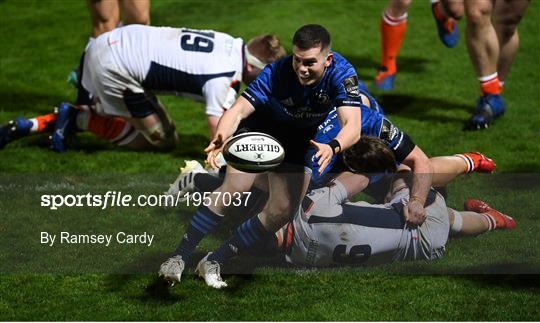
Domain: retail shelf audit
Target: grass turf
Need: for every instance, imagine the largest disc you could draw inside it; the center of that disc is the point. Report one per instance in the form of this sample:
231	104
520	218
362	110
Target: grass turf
435	93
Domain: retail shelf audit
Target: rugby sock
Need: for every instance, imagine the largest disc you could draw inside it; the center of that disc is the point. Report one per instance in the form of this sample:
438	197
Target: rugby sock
249	236
392	33
43	123
205	182
490	84
204	221
116	130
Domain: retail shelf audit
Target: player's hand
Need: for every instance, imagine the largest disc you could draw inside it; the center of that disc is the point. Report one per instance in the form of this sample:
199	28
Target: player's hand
212	150
414	213
324	155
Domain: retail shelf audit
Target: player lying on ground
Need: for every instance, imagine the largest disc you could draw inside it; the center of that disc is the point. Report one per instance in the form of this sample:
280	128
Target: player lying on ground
199	180
124	68
329	231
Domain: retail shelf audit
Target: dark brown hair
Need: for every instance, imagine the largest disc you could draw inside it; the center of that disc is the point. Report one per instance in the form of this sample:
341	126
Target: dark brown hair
310	36
369	155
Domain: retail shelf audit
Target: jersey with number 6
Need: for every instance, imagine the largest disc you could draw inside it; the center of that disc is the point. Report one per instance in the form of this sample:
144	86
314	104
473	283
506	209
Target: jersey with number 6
328	232
201	64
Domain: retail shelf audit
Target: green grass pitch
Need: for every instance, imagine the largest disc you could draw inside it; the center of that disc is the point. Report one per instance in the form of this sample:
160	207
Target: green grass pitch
492	277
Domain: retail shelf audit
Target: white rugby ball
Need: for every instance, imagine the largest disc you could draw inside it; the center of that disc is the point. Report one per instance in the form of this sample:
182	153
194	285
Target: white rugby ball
253	152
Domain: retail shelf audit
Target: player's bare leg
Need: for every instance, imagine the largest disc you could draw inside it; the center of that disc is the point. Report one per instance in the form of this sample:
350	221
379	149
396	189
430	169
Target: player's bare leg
483	46
453	8
135	12
105	15
507	15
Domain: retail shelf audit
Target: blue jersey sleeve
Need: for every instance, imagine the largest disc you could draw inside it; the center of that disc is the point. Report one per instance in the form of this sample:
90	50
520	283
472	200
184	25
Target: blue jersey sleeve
259	91
347	92
400	143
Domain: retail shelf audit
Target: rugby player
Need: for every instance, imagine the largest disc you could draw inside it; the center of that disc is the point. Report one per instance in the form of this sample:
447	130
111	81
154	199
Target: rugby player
329	231
392	29
288	100
124	68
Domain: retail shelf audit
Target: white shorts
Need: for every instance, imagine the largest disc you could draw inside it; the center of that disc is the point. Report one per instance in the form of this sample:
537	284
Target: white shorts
106	80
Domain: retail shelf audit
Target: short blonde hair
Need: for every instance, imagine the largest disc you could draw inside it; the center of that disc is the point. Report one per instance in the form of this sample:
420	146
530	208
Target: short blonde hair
266	47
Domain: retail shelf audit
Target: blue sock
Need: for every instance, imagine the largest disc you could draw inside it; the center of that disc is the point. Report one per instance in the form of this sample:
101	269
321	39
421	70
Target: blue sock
249	235
201	224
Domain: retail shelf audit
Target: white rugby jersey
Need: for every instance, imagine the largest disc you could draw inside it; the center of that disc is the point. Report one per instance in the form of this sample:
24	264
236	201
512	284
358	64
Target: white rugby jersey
201	64
328	232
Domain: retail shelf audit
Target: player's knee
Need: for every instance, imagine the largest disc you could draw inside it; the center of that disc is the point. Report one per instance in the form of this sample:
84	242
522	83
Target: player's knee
479	15
234	184
506	27
279	209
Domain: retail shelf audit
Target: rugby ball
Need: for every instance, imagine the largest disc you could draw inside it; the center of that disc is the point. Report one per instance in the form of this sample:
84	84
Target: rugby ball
253	152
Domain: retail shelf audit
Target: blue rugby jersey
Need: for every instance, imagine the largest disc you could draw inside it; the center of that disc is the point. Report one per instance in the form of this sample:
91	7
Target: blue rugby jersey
373	124
280	98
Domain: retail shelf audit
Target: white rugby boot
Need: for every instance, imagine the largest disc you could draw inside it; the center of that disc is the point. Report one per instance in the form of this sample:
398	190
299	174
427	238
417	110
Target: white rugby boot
185	183
210	271
171	270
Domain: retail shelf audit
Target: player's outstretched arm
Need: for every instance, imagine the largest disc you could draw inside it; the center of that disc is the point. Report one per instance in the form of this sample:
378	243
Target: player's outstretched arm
228	123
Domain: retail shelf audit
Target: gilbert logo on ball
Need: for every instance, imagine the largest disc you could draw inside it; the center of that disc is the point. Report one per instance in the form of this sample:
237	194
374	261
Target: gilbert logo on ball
253	152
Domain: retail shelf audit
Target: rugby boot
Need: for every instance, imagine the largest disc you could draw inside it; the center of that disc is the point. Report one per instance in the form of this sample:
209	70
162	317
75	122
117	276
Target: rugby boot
171	270
210	272
14	129
477	162
488	108
446	28
496	219
384	80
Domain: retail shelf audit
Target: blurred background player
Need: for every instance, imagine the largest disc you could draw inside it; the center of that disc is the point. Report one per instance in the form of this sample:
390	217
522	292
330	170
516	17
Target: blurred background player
492	41
204	65
392	29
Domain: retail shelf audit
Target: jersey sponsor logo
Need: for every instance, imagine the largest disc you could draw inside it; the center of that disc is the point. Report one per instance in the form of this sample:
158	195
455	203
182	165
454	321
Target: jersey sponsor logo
388	131
351	86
